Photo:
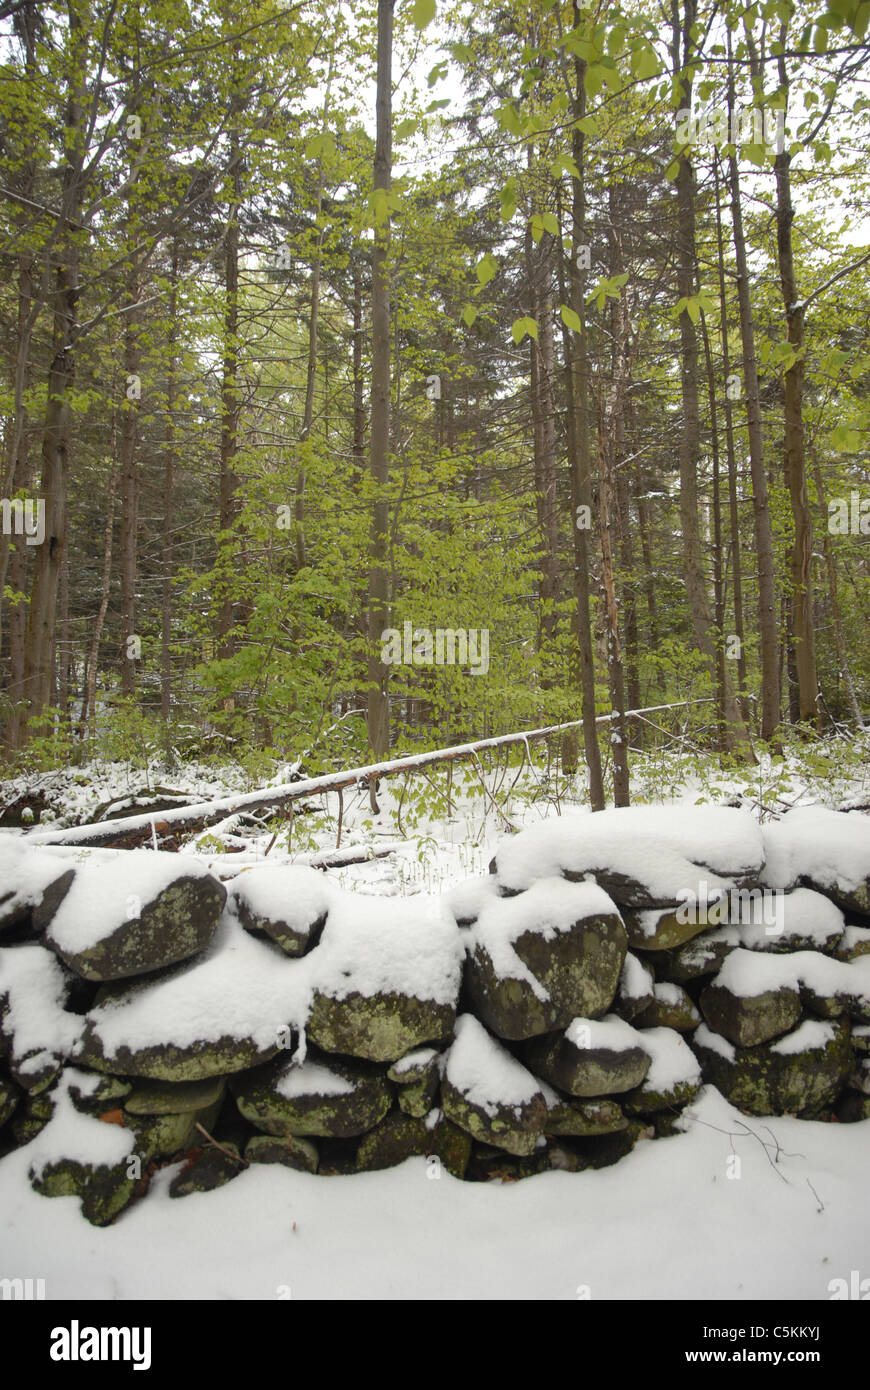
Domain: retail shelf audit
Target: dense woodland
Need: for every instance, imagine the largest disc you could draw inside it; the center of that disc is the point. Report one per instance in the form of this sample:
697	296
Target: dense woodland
320	319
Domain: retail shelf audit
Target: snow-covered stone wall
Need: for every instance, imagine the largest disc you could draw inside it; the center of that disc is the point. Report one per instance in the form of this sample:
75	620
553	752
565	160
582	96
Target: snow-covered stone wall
549	1015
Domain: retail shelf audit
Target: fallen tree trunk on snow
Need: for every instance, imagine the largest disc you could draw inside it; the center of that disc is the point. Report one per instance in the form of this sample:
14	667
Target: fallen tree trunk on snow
131	831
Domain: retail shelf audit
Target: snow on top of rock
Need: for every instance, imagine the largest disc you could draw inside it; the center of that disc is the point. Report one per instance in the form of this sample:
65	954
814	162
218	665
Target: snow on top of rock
659	847
635	981
77	1137
830	847
748	973
805	913
35	988
550	906
611	1033
467	900
25	873
373	945
485	1073
106	893
239	987
291	893
705	1037
421	1057
673	1063
812	1036
312	1079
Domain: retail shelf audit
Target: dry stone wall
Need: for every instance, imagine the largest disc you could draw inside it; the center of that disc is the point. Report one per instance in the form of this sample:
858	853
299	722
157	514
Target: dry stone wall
549	1015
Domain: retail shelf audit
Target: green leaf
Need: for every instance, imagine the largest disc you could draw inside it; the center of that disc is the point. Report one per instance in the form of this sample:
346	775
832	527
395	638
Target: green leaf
644	63
571	319
508	201
820	40
510	120
405	128
423	12
522	327
486	269
469	314
550	223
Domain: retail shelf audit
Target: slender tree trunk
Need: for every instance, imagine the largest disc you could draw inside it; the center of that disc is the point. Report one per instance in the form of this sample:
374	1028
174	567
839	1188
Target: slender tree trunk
795	457
377	716
42	614
577	374
230	402
168	493
767	625
88	724
129	556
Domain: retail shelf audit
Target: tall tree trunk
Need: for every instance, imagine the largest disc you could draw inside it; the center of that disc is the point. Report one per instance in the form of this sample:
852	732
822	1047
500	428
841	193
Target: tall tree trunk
544	434
764	559
230	400
577	373
168	491
42	615
795	458
377	713
129	556
88	723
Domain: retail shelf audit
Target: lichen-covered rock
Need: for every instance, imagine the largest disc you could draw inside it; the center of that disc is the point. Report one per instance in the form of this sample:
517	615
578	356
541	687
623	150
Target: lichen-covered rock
211	1169
673	1079
160	1135
377	1027
800	1072
174	1098
703	955
288	902
321	1096
662	928
94	1094
539	960
451	1148
105	1190
396	1138
135	914
489	1094
751	1000
31	1116
414	1066
386	977
590	1058
671	1007
9	1097
291	1150
585	1119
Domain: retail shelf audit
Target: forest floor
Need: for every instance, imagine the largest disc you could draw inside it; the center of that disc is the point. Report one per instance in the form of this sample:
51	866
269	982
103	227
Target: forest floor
677	1219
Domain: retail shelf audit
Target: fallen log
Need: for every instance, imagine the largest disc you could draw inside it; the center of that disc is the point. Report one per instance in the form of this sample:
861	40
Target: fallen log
130	831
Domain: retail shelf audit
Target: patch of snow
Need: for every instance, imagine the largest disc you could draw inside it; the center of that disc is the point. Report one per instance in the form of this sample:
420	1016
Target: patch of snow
485	1073
413	1060
673	1063
611	1033
312	1078
830	847
715	1042
812	1036
34	986
290	893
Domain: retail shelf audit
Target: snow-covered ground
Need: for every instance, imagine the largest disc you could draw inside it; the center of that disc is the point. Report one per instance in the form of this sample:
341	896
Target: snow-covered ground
734	1208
